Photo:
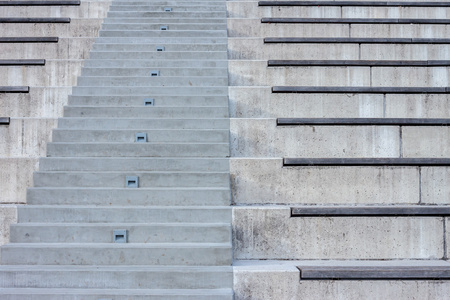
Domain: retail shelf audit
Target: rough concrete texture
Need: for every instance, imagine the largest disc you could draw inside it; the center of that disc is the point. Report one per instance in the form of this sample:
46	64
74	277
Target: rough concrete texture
259	102
16	174
396	12
8	216
270	233
250	9
410	77
425	141
283	282
447	237
399	30
76	28
26	137
417	106
404	52
259	181
435	185
263	138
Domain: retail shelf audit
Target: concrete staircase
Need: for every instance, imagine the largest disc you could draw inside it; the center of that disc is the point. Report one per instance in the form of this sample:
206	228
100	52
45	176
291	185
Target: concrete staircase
142	149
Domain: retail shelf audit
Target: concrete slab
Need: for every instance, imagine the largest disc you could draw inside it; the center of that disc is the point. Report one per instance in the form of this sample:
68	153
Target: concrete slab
399	30
16	175
435	182
404	52
250	9
425	141
8	216
410	76
417	106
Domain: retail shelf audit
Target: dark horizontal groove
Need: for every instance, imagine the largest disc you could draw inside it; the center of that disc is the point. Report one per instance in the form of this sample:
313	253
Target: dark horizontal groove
39	3
369	63
355	21
4	120
372	211
363	121
34	20
28	39
295	40
360	90
373	272
22	62
352	3
14	89
354	162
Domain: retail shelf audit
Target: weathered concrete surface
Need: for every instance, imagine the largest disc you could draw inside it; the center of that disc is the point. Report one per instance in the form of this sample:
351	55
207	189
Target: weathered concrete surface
435	185
425	141
259	181
260	102
16	174
263	138
270	233
417	106
399	30
8	215
447	237
410	76
250	9
404	52
396	12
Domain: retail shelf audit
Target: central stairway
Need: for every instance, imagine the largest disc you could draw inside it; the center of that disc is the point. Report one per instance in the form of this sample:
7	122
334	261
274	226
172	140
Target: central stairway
132	200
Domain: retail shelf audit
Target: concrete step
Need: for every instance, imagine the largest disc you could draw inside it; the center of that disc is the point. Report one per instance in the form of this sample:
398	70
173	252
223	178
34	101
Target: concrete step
129	136
111	123
160	196
148	232
149	55
133	164
117	294
159	100
164	19
168	47
194	72
163	61
53	214
162	14
181	254
139	90
105	81
87	9
149	149
163	33
118	179
157	26
160	40
112	277
160	8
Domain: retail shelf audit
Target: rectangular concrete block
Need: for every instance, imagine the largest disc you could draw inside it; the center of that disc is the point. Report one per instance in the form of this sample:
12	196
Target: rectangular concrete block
270	233
8	216
399	30
250	9
410	77
417	106
16	175
404	52
26	137
447	236
254	48
260	102
258	181
251	73
263	138
254	28
435	185
398	12
425	141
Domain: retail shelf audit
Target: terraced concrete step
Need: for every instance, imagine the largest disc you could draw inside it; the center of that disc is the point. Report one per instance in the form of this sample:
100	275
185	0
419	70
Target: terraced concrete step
139	90
116	294
112	277
111	123
181	254
149	55
149	149
162	33
148	232
163	19
158	62
159	100
133	164
194	72
129	136
162	14
118	179
160	8
187	47
157	81
157	26
129	214
161	40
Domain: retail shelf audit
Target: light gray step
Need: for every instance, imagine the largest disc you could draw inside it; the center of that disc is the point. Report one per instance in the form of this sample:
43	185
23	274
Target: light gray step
132	164
149	55
160	8
159	101
157	26
169	3
163	33
106	81
129	136
161	40
129	197
163	19
162	14
163	62
122	124
149	149
200	72
149	232
114	277
139	90
117	179
116	294
182	254
129	214
168	47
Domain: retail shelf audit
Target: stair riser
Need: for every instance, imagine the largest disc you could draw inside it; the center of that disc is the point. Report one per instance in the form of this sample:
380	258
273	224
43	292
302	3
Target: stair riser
204	72
161	40
162	14
187	47
104	234
222	55
157	26
105	295
160	101
148	81
158	62
160	8
164	19
187	91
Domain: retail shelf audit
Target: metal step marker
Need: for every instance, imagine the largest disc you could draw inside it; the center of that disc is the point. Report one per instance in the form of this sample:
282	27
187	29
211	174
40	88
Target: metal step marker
149	102
120	236
168	9
164	27
160	48
132	181
141	137
154	73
